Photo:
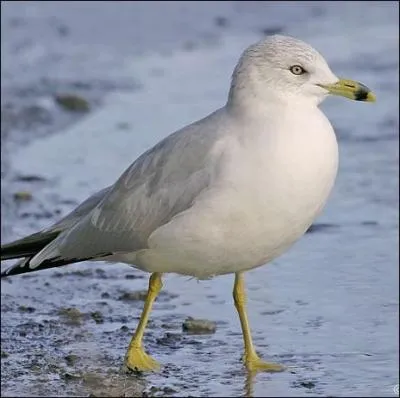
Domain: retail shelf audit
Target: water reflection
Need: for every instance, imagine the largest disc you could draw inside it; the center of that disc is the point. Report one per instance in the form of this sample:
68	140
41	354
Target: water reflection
248	389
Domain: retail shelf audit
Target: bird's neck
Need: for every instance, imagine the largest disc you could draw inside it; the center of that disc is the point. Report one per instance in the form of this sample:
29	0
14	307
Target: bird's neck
252	104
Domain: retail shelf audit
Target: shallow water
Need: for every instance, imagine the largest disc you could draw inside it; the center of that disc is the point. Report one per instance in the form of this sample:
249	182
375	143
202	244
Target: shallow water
328	308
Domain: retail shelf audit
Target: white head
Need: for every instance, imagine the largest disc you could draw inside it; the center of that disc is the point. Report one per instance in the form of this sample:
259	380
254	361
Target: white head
287	69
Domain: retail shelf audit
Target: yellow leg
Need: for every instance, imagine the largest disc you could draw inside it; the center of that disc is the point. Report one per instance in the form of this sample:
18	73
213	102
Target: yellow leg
252	361
136	358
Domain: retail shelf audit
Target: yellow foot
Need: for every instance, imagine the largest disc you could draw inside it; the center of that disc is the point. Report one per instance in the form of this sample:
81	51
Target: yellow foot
137	360
255	364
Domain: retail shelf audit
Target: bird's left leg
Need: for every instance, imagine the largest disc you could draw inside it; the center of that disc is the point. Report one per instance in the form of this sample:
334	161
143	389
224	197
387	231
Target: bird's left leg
252	361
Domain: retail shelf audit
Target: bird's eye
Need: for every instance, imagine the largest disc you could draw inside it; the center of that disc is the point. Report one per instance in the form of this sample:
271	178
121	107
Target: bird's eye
297	70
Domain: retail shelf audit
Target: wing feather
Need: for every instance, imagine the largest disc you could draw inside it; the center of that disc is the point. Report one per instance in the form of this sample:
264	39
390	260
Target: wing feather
161	183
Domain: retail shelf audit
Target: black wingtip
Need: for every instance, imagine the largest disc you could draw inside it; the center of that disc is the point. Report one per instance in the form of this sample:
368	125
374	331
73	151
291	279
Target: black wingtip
22	267
28	246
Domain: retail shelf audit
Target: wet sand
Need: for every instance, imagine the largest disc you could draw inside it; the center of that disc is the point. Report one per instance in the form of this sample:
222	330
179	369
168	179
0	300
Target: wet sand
328	308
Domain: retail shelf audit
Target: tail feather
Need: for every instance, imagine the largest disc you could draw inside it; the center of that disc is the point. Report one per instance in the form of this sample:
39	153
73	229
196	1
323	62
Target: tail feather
22	266
26	249
17	268
28	246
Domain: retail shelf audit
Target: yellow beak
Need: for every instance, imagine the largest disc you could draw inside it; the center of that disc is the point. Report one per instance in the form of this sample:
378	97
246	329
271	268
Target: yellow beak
350	89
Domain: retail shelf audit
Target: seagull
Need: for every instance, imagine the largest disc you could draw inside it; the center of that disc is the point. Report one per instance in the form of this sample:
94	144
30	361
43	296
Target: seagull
223	195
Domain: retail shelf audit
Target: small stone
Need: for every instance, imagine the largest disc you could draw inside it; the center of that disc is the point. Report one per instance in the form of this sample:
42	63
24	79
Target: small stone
82	272
304	384
72	102
22	196
170	339
307	384
199	326
70	376
97	316
53	368
30	178
133	276
71	359
24	308
72	315
139	295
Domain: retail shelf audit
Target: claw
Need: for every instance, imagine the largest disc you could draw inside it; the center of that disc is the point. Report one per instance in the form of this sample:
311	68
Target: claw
138	360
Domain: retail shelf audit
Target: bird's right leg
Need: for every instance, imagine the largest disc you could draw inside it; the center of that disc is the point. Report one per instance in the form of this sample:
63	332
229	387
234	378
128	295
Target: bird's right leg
136	358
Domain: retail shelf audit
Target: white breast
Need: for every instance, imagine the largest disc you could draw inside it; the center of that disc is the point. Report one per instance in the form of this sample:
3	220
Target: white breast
268	191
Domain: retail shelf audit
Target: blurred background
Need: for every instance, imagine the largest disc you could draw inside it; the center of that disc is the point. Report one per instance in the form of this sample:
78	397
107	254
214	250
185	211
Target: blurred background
86	87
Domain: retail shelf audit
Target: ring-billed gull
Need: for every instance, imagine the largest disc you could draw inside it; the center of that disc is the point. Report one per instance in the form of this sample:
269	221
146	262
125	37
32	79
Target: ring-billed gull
226	194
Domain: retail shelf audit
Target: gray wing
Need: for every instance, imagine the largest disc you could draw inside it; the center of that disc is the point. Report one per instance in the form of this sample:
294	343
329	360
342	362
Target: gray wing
77	214
161	183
